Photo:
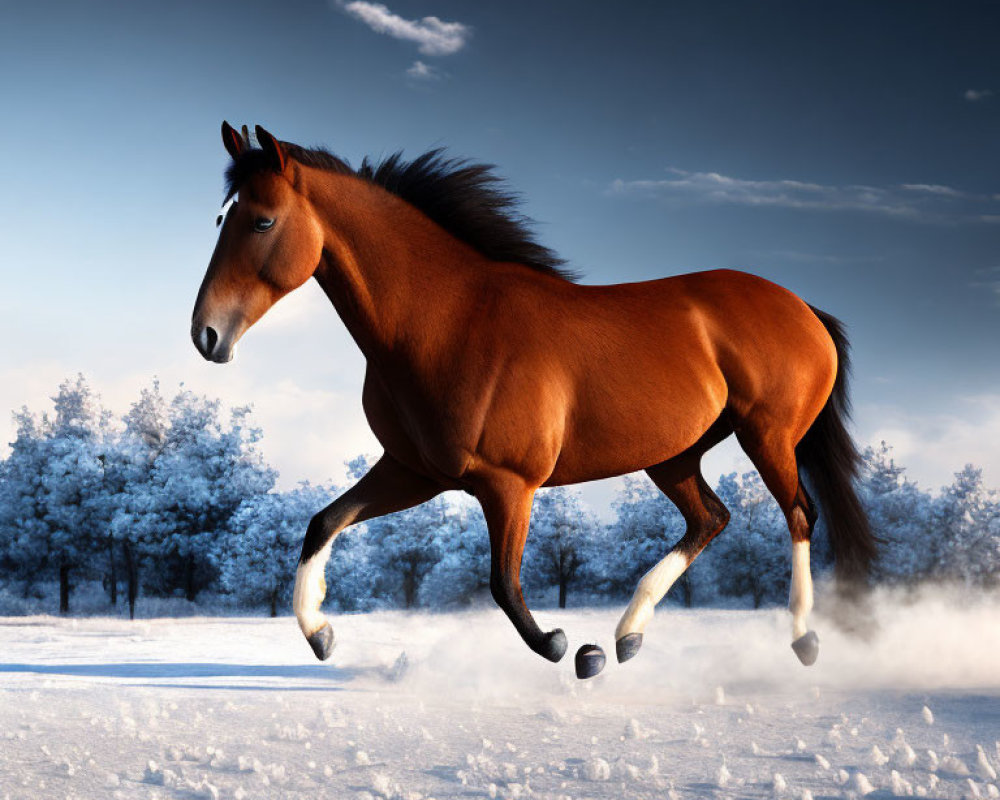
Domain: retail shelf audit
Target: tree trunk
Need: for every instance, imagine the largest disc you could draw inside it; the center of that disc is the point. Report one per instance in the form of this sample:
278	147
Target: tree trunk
133	578
409	589
189	589
114	574
562	593
64	588
274	603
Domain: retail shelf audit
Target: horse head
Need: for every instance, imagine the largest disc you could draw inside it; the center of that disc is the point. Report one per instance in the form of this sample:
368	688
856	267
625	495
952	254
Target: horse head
270	243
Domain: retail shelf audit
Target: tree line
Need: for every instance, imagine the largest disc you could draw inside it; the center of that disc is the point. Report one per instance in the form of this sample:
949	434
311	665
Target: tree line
175	498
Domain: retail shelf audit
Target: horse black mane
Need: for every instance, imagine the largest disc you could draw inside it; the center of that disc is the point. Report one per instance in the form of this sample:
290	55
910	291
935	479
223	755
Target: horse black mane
468	200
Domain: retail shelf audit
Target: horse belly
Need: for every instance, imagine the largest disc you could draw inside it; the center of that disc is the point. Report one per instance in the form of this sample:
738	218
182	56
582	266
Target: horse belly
617	429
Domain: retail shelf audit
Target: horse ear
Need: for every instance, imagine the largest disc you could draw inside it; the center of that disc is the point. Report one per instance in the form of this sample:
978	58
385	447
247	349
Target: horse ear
232	140
272	147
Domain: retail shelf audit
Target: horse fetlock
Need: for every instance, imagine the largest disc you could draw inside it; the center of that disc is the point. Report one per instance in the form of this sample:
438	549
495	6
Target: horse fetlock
639	611
310	590
633	621
800	598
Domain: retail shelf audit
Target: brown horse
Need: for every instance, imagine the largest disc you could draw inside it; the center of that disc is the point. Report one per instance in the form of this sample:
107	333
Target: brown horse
490	370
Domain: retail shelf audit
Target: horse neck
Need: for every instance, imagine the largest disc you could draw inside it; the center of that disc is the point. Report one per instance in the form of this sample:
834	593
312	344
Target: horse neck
393	275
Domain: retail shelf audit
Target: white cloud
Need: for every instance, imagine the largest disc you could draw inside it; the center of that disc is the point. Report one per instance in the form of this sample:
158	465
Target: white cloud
423	72
433	36
933	447
933	188
924	201
975	95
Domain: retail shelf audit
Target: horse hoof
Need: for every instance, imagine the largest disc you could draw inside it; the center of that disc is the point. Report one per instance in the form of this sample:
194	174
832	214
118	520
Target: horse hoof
628	646
322	642
590	660
806	647
554	645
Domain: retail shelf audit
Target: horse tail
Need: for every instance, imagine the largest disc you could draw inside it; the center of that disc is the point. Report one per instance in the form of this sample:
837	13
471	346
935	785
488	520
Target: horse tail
830	457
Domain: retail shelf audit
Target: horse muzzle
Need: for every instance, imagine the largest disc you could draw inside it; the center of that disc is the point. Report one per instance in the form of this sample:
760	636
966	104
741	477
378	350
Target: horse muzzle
212	345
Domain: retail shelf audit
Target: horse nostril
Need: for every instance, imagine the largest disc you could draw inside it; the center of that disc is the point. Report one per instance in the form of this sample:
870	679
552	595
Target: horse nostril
209	339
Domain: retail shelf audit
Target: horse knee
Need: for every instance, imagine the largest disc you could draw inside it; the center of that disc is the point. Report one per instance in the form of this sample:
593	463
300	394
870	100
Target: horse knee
504	590
316	535
322	527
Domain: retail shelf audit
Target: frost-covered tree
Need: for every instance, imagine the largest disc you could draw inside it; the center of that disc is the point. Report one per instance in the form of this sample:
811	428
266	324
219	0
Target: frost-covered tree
203	471
79	515
750	556
257	558
60	514
901	516
405	546
22	504
646	526
559	542
353	580
135	522
463	571
968	517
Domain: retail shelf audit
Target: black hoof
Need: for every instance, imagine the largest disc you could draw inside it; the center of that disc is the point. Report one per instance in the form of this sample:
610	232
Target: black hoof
554	645
322	642
628	646
806	647
590	660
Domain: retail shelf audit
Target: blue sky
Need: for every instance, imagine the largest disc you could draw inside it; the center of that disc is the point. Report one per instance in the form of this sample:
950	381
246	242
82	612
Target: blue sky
847	151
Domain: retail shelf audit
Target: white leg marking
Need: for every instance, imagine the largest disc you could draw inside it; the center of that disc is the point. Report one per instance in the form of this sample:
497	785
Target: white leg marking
800	598
650	591
310	591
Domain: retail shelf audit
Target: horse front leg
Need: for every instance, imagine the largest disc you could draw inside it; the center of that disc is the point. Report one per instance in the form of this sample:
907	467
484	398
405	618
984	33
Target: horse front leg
506	504
387	487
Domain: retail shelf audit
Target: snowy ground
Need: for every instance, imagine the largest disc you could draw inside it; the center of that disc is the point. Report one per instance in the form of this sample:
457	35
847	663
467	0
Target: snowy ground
715	706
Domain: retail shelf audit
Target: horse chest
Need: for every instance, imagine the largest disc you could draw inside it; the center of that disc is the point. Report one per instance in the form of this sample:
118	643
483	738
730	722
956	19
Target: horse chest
429	436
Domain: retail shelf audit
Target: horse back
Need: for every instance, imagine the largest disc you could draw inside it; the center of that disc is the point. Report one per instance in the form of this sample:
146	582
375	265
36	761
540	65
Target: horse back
648	367
564	383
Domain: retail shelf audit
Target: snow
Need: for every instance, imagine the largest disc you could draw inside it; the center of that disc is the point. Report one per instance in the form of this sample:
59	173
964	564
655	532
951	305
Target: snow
237	707
984	769
861	784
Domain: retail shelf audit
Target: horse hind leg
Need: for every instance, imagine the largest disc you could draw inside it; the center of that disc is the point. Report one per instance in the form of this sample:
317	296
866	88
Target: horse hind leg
680	480
775	461
805	642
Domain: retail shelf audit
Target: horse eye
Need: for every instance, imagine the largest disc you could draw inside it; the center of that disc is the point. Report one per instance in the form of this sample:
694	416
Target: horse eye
262	224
